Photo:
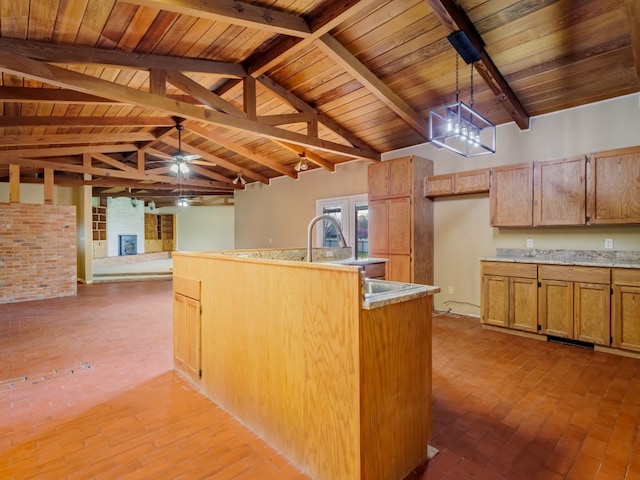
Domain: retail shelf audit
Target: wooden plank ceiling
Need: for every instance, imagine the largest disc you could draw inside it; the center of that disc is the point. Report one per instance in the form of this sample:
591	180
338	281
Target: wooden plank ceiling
93	89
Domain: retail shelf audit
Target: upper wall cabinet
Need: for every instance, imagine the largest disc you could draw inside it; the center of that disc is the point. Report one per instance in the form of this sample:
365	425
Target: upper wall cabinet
603	188
391	179
559	192
511	196
613	186
459	183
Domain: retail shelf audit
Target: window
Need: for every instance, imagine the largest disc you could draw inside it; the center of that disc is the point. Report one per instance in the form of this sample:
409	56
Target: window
352	213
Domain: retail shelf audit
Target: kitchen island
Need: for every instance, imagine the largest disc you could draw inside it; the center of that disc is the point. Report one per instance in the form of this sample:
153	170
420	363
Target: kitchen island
338	383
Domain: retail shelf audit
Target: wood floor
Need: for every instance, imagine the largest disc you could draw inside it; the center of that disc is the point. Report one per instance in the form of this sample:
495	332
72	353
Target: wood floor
87	391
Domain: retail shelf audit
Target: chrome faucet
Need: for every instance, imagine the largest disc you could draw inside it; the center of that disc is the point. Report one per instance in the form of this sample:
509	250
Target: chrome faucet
343	242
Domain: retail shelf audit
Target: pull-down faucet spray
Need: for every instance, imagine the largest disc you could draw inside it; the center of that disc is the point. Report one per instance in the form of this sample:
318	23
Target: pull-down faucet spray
329	218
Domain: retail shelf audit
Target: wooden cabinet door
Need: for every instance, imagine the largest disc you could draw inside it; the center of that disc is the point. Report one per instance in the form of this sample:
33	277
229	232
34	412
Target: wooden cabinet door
626	317
495	300
438	185
523	304
400	228
186	335
592	313
399	268
378	180
378	228
559	192
400	177
556	308
511	195
613	186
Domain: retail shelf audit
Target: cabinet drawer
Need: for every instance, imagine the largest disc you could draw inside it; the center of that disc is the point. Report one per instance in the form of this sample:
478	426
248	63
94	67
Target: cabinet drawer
626	276
375	270
510	269
570	273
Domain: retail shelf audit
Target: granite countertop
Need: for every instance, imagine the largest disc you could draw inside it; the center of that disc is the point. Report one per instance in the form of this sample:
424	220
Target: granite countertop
589	258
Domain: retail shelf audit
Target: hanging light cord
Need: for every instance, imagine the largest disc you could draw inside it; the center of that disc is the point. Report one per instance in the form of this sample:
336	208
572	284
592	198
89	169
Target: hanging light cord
471	101
457	85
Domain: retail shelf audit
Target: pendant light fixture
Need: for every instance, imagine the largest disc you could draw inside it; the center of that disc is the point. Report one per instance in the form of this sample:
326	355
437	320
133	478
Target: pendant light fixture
239	180
302	164
457	127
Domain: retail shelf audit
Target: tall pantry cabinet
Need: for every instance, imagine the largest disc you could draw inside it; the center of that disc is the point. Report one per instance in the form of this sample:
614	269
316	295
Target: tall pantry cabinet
401	218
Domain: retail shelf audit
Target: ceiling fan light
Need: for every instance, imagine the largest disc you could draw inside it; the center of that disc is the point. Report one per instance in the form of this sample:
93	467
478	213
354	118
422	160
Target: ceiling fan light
184	168
182	202
174	168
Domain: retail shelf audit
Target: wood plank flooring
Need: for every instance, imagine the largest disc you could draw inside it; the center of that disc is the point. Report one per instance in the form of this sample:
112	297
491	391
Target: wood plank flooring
87	391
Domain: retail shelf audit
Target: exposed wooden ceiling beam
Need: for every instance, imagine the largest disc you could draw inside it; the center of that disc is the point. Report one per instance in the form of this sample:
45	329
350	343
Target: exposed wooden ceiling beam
633	16
454	19
84	121
36	70
56	95
21	140
6	155
312	157
204	95
70	54
234	12
217	160
362	74
214	159
298	104
230	145
111	173
329	18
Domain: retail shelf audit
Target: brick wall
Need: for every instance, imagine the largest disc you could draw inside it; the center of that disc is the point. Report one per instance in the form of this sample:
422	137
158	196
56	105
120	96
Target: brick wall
37	252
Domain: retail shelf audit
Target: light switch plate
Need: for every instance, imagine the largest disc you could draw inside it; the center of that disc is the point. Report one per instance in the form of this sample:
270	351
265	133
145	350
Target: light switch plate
608	243
529	242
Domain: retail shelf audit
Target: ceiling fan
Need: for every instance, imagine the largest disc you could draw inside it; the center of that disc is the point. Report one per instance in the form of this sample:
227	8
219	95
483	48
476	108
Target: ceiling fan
180	159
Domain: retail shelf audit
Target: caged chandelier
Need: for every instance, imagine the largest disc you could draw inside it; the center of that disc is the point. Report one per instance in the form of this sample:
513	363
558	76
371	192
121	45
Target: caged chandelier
457	127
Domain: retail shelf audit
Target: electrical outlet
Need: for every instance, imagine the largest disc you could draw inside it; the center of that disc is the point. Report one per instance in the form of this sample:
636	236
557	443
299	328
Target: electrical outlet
529	242
451	290
608	243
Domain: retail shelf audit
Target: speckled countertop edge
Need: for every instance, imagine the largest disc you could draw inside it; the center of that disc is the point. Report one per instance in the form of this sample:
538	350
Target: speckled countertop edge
588	258
390	298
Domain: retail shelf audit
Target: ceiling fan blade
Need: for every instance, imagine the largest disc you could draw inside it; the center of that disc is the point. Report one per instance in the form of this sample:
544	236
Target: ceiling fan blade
188	158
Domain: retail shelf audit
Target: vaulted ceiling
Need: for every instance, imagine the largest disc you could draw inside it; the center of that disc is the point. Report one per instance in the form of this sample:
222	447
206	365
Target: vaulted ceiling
92	90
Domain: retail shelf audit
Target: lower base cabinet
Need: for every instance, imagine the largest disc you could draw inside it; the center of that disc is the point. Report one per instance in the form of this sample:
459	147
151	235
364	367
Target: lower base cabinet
512	290
575	303
626	309
595	305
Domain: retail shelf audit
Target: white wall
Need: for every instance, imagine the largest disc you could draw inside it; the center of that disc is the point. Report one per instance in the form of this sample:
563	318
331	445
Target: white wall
124	219
277	215
203	228
34	193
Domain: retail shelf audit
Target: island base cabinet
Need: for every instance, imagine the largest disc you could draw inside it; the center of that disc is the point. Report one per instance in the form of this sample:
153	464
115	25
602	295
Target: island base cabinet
187	312
626	308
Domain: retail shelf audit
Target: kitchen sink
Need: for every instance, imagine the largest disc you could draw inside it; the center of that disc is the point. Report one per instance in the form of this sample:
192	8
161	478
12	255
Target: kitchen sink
372	287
